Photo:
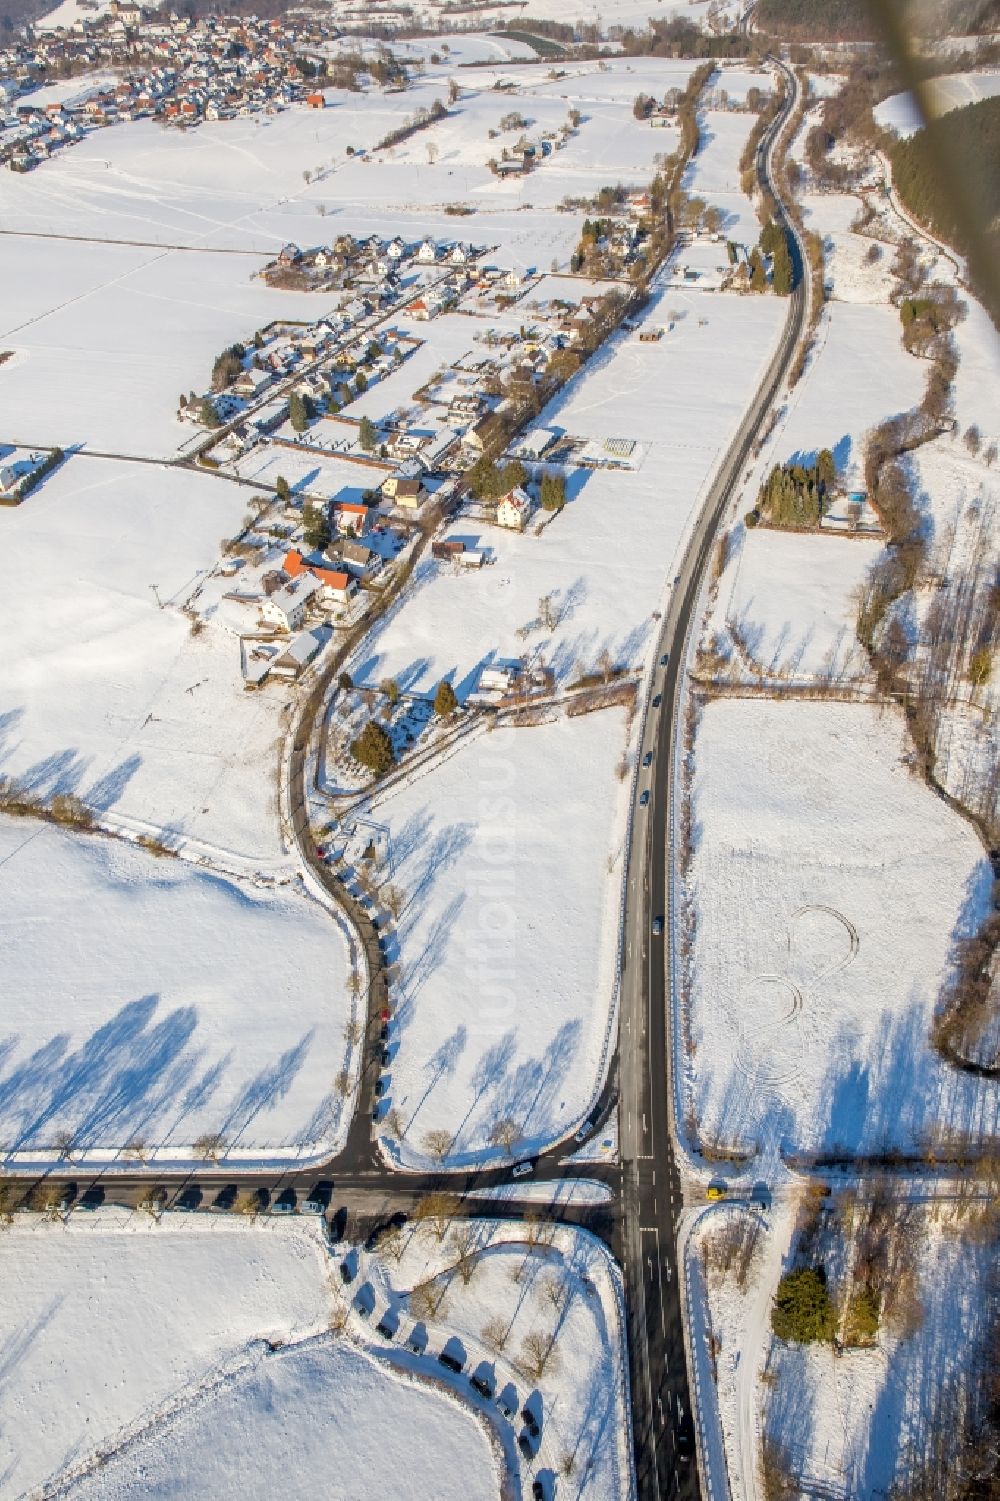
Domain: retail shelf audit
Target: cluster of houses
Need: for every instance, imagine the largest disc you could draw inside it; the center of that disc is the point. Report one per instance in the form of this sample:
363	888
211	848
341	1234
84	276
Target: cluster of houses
373	265
172	68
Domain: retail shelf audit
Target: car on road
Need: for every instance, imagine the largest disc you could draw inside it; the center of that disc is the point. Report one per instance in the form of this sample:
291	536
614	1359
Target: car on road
677	578
683	1444
644	799
286	1202
716	1191
657	926
481	1384
665	659
318	1200
450	1362
386	1330
226	1197
657	701
523	1169
647	759
381	1085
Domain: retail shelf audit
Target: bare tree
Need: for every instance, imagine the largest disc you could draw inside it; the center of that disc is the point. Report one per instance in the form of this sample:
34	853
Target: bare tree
353	1031
432	152
437	1210
464	1241
395	901
393	1123
426	1300
210	1146
537	1354
342	1083
605	666
546	612
505	1133
495	1334
437	1142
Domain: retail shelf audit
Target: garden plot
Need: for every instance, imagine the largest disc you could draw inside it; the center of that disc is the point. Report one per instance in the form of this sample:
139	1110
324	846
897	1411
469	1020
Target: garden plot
606	559
787	604
539	1319
828	885
196	1027
112	698
506	856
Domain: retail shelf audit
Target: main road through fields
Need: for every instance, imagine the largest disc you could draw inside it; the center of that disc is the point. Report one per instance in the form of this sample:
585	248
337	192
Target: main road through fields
651	1187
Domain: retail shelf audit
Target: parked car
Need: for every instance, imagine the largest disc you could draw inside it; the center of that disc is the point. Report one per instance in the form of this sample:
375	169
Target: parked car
530	1421
523	1169
716	1191
286	1202
644	799
386	1330
348	1270
449	1361
507	1402
481	1385
647	759
526	1444
318	1200
538	1492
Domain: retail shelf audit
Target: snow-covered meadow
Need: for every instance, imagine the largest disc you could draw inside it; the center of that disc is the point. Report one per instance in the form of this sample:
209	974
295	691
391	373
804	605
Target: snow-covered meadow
107	692
147	1352
827	885
951	91
151	1005
508	856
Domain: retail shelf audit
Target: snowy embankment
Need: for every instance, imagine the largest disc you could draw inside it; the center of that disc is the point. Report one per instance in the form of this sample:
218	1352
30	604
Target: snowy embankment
148	1352
507	859
152	1007
827	884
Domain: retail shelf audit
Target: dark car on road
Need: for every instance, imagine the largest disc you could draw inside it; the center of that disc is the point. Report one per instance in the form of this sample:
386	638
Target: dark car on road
526	1444
647	759
644	799
657	926
450	1362
664	659
657	701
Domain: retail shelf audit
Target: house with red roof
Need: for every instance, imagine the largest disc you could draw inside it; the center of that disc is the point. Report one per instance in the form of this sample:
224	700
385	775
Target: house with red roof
335	583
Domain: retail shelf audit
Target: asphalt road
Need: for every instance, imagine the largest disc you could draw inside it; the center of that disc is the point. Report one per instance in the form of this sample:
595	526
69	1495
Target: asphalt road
651	1186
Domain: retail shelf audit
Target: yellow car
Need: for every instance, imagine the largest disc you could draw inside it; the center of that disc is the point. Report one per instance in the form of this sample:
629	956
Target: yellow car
717	1191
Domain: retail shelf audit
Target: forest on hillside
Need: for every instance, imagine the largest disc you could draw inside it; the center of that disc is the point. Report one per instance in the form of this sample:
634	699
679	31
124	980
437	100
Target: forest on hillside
857	20
965	142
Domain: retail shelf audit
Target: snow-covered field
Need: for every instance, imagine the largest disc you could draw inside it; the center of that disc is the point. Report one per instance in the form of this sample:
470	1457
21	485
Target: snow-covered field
109	1318
301	1419
952	91
147	1343
112	698
789	603
149	1002
508	937
828	884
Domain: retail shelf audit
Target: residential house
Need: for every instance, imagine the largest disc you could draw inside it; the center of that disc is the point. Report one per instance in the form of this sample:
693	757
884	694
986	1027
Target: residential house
350	517
297	655
316	101
427	254
287	606
514	509
486	435
332	583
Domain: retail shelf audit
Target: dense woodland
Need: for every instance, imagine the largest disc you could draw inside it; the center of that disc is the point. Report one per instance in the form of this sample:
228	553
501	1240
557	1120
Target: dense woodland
966	141
857	20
